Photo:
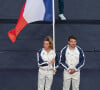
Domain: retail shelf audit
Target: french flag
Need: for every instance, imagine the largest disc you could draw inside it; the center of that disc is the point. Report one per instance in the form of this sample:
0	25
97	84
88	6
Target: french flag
33	10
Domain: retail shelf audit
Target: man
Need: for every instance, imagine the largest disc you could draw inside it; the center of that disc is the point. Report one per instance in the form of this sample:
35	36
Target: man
61	10
72	59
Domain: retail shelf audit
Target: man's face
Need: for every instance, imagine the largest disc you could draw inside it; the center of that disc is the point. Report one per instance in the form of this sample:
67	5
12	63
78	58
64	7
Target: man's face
72	43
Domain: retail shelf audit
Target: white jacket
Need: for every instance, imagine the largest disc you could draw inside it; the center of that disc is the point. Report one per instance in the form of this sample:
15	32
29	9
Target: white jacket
72	59
44	59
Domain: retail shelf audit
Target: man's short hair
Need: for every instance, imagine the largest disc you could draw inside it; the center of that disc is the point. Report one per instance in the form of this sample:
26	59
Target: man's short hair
72	37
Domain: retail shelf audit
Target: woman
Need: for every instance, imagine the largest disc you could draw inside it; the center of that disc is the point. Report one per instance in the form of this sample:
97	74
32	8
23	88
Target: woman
47	64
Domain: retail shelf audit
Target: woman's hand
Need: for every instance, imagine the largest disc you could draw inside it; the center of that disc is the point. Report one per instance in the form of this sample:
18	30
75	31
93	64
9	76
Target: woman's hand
53	61
54	70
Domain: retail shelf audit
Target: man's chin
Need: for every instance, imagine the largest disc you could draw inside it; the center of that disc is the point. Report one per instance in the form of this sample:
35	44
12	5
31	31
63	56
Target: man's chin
73	46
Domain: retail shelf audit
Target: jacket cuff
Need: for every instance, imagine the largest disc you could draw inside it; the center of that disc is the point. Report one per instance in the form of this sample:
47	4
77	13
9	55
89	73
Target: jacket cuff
76	69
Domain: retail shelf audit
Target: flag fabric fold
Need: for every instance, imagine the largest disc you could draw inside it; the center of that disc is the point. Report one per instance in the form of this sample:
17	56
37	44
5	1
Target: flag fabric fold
33	10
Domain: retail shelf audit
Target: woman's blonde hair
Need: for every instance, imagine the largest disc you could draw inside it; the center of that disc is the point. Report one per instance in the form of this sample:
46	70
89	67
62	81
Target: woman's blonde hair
49	39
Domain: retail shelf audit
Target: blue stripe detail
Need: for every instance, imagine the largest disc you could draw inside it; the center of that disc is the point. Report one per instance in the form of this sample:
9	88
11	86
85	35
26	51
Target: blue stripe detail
63	58
81	59
41	62
48	13
57	61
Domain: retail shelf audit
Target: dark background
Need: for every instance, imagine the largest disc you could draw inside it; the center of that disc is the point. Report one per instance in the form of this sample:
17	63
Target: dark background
18	63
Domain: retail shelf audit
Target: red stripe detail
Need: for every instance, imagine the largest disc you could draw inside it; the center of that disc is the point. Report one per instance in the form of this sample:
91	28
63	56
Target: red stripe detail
19	26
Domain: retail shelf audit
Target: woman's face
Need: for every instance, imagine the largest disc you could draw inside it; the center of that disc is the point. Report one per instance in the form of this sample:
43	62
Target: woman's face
46	45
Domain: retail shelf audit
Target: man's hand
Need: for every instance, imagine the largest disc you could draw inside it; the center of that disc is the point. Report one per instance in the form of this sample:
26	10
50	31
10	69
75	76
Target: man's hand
72	71
53	61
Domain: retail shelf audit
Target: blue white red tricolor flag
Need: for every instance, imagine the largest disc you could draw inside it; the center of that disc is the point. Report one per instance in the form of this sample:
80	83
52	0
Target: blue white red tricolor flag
33	10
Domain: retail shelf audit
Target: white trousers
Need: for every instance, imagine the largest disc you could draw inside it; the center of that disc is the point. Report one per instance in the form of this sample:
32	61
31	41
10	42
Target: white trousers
74	79
45	79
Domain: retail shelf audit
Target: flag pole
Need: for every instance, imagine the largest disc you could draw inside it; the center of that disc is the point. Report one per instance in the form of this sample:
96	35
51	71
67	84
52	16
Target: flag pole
53	23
